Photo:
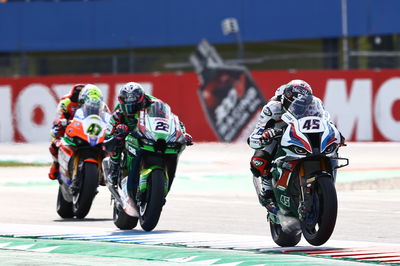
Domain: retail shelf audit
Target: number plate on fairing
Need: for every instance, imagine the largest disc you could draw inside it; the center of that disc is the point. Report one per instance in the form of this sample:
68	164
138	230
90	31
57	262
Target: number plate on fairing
311	124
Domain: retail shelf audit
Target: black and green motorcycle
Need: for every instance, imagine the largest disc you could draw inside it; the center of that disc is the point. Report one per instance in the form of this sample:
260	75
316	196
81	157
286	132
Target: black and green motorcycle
149	164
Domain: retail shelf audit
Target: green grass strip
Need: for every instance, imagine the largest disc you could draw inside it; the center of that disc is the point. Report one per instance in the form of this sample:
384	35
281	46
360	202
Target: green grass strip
21	164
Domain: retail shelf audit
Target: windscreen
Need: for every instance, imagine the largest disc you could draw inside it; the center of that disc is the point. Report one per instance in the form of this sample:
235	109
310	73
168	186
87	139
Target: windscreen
92	107
307	106
159	109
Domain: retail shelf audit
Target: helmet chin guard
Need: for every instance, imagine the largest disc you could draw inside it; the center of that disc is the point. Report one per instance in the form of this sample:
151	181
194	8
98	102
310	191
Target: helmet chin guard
131	98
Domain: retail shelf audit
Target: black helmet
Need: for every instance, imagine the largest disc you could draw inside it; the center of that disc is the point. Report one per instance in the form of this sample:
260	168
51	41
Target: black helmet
295	89
131	98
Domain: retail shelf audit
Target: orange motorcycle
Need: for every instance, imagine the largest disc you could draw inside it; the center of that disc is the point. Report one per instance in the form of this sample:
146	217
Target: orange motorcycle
80	155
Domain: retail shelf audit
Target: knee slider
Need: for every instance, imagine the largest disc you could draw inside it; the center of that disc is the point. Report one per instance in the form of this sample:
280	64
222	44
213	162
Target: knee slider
259	166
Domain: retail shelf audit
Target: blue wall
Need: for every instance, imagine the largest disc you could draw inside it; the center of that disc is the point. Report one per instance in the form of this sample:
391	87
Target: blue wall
110	24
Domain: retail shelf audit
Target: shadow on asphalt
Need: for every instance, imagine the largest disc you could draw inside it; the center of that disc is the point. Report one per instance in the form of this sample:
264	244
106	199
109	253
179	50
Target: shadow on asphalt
67	220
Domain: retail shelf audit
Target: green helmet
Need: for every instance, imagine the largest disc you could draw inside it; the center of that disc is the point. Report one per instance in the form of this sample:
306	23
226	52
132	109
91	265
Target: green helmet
90	92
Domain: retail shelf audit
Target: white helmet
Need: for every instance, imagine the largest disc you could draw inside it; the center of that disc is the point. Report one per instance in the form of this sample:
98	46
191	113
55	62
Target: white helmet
279	91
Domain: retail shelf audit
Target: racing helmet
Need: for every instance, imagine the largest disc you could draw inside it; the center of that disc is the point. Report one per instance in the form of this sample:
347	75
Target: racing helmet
294	90
279	91
90	92
75	91
92	106
131	98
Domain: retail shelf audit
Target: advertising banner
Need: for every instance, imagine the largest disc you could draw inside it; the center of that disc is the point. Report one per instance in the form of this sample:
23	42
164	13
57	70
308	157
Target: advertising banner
228	94
365	105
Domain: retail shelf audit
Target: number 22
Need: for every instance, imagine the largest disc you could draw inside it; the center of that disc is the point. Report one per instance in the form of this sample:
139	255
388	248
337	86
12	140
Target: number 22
162	126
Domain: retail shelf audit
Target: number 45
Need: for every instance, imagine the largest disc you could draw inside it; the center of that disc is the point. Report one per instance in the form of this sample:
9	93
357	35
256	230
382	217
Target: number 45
311	124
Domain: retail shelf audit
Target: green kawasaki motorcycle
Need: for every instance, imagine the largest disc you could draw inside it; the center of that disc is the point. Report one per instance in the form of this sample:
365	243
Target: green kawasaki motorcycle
149	164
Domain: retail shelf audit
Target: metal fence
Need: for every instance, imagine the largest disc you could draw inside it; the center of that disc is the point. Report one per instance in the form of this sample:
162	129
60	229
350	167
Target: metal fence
295	57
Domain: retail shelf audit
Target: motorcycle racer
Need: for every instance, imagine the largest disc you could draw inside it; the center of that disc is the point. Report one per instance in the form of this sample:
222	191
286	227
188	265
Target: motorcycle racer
131	100
66	109
266	136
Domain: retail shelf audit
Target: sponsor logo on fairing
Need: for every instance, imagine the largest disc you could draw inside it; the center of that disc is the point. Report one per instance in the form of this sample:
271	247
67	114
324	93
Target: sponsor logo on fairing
267	111
285	200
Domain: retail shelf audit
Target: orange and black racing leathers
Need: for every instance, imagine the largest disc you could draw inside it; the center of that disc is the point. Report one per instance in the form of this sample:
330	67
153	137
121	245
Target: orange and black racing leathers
65	112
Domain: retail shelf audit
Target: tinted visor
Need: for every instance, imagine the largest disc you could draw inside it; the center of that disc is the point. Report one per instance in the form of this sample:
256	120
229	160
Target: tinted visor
91	107
299	106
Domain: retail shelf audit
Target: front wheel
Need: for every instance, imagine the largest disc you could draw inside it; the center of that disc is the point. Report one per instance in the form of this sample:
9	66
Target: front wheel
321	218
88	189
150	210
122	220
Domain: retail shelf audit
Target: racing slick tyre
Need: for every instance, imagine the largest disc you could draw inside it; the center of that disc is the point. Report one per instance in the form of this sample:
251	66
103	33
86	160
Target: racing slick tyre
320	229
88	189
122	220
282	238
150	210
64	208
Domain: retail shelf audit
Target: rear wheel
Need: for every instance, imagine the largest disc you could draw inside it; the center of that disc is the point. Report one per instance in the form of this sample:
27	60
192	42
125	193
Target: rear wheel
150	210
282	238
122	220
88	189
64	208
320	221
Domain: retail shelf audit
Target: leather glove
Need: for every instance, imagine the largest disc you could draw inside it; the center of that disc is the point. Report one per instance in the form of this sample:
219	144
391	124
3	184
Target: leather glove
57	131
269	133
59	128
62	122
121	131
189	139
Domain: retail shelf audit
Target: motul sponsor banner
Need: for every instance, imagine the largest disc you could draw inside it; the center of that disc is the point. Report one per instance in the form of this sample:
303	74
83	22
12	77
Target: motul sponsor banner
365	105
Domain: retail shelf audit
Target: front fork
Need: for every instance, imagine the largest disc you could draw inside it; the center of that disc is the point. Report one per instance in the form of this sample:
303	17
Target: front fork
77	171
305	201
307	189
143	182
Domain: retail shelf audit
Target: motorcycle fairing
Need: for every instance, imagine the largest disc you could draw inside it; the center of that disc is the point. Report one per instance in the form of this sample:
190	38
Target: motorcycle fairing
153	128
311	124
127	203
159	127
90	129
65	154
177	135
297	138
293	135
331	135
285	174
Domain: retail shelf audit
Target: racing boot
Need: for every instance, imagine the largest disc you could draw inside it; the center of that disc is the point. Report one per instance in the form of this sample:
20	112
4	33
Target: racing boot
266	196
54	171
55	166
102	181
112	178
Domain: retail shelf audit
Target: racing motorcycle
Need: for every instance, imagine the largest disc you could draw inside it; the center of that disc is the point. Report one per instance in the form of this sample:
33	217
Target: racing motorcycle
149	162
303	176
80	155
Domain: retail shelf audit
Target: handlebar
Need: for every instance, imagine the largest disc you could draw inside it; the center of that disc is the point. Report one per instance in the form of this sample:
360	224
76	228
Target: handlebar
279	132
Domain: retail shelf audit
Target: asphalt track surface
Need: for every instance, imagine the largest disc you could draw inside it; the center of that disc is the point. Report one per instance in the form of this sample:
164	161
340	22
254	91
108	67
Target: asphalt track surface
212	196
